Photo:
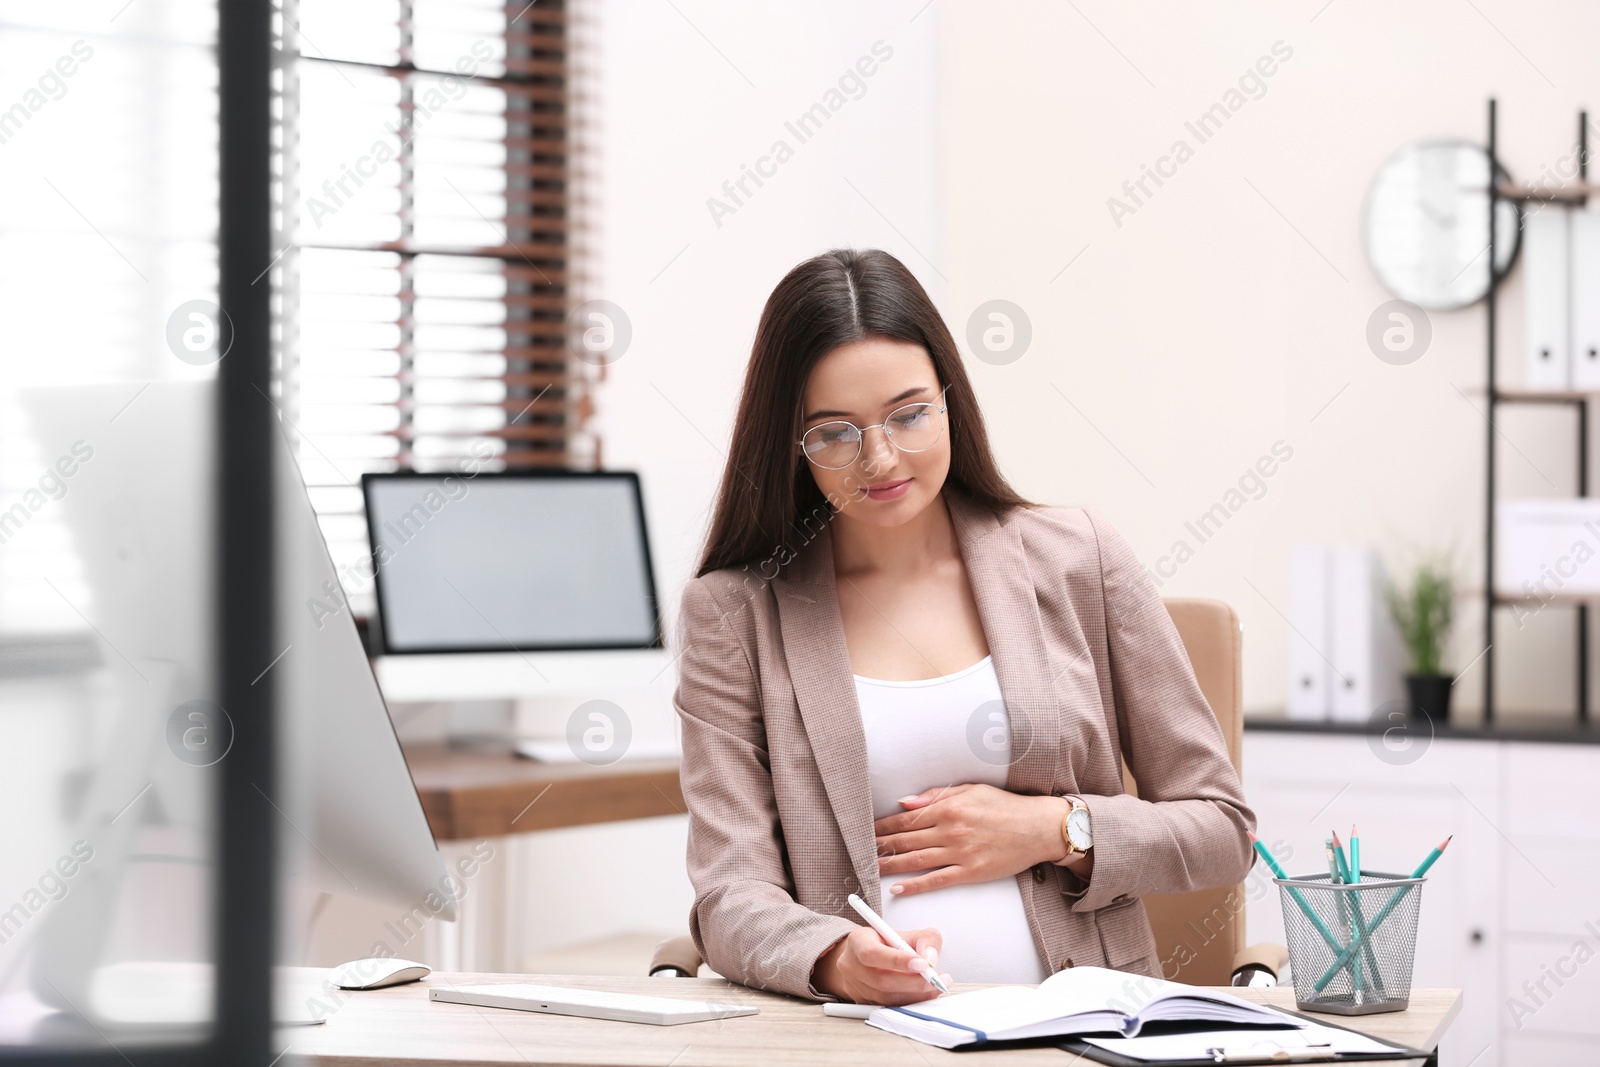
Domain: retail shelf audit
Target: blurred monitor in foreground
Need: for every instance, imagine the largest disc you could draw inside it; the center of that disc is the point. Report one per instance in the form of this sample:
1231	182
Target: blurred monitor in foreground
130	948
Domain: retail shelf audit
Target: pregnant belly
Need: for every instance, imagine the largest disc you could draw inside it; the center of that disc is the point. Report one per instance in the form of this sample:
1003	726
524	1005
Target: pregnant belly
985	930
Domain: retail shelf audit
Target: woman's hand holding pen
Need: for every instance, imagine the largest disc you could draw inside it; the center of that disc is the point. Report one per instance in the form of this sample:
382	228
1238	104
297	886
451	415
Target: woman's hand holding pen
862	969
972	833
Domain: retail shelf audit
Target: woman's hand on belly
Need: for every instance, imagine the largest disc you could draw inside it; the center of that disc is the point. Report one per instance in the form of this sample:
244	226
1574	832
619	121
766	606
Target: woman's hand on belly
971	832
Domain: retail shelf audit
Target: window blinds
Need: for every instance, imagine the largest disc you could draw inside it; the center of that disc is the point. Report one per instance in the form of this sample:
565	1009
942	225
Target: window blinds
428	265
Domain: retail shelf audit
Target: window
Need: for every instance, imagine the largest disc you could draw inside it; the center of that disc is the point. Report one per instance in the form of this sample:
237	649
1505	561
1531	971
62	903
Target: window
429	259
108	223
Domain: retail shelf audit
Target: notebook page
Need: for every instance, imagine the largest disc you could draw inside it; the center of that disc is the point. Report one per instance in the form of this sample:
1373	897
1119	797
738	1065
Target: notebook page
1147	998
1002	1011
1075	989
990	1010
1071	1001
1215	1006
1108	995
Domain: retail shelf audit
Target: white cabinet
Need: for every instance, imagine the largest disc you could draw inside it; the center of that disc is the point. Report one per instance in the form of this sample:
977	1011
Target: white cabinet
1506	904
1550	992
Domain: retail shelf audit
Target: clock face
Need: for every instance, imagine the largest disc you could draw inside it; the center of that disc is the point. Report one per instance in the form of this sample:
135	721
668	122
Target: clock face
1427	224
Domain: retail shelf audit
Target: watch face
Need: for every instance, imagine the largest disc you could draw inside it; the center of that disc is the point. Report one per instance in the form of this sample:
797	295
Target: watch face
1078	828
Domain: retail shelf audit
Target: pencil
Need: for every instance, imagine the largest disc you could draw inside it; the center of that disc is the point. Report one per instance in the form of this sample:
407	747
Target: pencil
1345	914
1349	875
1294	891
1438	851
1383	912
1338	851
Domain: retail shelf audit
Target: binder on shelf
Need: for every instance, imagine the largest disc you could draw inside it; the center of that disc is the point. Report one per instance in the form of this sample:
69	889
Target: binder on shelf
1584	232
1309	608
1545	548
1369	661
1546	273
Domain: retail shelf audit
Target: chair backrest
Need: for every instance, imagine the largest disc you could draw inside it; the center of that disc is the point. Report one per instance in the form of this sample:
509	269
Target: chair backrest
1199	934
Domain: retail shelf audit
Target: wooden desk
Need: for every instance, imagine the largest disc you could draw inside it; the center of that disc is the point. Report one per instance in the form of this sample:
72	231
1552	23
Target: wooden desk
400	1025
472	793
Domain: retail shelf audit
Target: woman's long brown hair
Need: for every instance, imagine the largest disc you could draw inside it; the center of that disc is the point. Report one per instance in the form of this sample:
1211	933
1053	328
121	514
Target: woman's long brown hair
768	505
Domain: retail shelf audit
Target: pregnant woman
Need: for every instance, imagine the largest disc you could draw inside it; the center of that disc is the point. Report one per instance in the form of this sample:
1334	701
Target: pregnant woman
902	680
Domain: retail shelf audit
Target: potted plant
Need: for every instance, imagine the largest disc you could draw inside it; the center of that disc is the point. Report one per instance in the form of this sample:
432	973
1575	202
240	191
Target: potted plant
1422	610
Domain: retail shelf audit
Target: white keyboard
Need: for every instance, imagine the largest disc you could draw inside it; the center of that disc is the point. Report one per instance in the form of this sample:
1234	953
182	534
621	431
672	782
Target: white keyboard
590	1003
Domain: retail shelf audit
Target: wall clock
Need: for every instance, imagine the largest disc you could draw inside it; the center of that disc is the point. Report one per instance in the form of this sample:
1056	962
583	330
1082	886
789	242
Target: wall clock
1426	224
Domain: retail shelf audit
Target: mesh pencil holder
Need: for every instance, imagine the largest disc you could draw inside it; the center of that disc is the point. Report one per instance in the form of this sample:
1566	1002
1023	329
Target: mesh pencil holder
1351	945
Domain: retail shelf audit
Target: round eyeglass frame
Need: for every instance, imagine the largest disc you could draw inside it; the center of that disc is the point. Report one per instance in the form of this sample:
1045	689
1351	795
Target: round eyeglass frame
861	431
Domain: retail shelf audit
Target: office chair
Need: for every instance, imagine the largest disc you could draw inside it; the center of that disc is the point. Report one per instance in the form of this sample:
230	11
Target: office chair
1207	923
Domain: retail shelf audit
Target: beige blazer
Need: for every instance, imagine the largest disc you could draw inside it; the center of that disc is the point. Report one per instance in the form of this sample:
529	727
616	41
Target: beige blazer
774	765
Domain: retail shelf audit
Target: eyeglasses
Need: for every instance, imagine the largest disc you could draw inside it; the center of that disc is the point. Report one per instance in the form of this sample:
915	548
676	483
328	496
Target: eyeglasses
912	428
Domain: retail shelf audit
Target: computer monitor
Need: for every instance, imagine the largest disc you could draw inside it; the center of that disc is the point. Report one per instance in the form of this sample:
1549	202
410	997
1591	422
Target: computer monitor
138	518
511	561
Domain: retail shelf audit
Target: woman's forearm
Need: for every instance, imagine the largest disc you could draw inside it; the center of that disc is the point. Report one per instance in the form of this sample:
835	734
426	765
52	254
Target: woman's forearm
825	974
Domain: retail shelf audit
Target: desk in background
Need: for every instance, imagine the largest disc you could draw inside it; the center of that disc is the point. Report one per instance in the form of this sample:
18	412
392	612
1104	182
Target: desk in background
469	793
401	1025
473	793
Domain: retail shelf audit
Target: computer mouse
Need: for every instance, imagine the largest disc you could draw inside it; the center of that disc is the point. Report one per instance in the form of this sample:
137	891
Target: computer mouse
375	972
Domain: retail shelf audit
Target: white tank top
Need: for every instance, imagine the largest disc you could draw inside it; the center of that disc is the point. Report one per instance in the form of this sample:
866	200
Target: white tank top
948	731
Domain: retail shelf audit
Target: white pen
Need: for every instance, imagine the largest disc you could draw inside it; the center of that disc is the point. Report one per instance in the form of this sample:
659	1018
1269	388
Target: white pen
893	937
848	1011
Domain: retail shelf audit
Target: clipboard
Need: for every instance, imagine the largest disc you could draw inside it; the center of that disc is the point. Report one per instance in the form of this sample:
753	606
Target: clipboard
1114	1059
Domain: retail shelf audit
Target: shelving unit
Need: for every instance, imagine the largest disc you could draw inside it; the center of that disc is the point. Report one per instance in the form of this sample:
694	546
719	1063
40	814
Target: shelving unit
1578	195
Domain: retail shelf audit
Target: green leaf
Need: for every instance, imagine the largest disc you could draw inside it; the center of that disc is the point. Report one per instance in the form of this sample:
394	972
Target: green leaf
1423	610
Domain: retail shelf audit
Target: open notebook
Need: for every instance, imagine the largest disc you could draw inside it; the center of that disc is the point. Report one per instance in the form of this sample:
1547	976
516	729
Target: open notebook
1077	1000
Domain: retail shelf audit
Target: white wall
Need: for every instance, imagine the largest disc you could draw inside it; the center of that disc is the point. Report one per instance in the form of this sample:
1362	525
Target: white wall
1225	314
1229	310
691	100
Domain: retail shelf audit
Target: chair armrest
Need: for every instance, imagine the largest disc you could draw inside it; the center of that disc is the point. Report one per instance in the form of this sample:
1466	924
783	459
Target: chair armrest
1256	963
676	957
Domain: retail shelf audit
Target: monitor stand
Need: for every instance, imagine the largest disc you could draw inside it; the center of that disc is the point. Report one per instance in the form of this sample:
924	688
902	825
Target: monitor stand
479	724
